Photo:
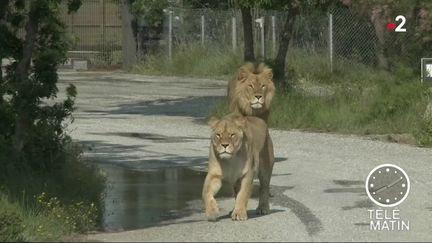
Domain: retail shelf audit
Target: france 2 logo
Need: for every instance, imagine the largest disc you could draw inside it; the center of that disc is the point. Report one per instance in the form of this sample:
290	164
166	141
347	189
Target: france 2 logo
400	27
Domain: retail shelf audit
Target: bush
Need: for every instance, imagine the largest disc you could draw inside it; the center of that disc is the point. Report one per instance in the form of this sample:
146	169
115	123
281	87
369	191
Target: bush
77	216
11	222
192	60
366	102
54	203
355	99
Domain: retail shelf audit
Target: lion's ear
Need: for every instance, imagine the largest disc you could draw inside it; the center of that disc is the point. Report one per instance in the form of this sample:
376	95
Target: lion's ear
267	73
244	71
212	121
240	122
242	75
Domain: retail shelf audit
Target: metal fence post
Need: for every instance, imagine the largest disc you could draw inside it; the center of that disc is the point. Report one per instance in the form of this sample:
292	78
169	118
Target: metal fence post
273	19
331	41
234	34
103	26
170	14
128	43
262	39
260	21
202	30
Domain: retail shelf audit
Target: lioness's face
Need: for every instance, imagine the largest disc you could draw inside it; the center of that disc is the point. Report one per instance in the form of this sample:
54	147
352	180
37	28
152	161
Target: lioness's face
226	138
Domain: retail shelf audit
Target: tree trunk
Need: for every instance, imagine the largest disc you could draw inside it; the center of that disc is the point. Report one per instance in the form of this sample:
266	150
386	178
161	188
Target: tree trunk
285	37
3	7
248	34
379	20
22	121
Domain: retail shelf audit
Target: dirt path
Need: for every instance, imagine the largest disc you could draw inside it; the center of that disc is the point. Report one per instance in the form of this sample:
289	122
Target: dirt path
318	182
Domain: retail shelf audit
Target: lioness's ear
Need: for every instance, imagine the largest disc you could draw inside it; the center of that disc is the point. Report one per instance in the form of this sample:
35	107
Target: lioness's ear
212	121
240	121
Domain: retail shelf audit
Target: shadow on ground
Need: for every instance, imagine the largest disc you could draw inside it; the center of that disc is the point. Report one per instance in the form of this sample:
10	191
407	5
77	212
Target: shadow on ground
127	156
157	138
191	106
352	186
251	214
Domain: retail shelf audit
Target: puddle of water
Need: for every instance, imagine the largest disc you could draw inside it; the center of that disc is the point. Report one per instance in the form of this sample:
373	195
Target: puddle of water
139	199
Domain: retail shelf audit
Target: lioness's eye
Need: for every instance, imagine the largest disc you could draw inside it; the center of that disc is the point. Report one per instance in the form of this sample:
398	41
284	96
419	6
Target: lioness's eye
263	86
218	135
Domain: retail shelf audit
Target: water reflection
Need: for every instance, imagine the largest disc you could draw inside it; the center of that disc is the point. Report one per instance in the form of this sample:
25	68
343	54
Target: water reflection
138	199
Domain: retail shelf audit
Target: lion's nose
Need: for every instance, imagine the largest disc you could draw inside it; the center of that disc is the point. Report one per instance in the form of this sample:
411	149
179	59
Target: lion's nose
224	145
258	96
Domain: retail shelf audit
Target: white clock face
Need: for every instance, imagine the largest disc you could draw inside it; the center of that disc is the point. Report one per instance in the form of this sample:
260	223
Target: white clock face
387	185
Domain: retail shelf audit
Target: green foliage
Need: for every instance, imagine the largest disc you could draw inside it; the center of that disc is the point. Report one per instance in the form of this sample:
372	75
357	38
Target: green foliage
357	100
11	222
353	99
78	216
29	121
54	204
424	134
48	219
192	60
36	154
222	4
376	110
149	11
406	48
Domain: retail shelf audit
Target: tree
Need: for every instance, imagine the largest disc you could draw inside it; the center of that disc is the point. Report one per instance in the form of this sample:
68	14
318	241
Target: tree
147	24
394	47
245	7
247	34
378	12
293	7
32	127
285	38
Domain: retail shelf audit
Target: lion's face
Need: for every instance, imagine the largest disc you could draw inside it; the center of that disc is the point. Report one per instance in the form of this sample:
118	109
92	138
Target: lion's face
227	136
254	89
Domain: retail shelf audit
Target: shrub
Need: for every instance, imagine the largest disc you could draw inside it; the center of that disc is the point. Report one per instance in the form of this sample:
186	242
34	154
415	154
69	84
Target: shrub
192	60
11	222
78	216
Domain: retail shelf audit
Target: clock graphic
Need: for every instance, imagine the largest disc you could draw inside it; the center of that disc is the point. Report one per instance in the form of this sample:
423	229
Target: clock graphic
387	185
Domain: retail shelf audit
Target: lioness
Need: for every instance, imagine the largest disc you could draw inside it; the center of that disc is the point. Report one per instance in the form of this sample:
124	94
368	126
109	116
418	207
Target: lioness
251	91
240	147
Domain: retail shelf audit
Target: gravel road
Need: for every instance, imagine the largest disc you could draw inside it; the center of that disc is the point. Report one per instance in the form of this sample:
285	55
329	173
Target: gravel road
318	191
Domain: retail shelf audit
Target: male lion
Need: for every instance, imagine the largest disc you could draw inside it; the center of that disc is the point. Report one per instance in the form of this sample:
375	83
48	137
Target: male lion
240	148
251	91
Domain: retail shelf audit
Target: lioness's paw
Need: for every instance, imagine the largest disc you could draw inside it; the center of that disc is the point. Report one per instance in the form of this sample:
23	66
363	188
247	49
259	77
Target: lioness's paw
262	210
212	211
239	214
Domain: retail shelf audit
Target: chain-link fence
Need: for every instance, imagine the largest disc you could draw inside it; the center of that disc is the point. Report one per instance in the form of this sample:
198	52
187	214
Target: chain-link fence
223	29
354	39
338	36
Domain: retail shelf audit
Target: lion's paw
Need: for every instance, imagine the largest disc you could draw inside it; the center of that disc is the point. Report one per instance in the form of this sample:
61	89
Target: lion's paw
263	210
239	214
212	211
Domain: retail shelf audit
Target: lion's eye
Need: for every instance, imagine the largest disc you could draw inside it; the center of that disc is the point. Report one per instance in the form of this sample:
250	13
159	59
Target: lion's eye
232	135
263	86
218	135
251	86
